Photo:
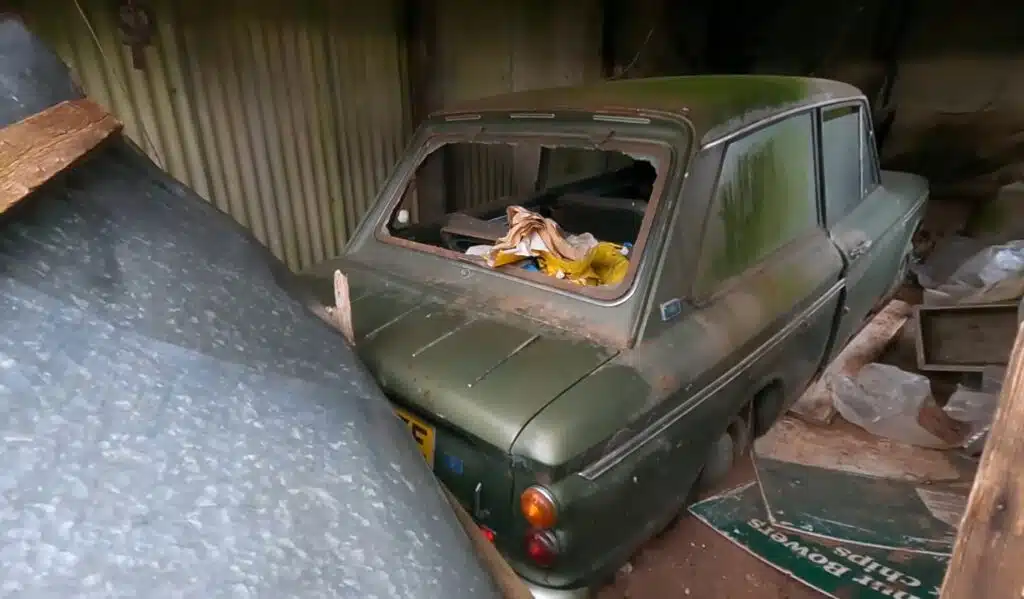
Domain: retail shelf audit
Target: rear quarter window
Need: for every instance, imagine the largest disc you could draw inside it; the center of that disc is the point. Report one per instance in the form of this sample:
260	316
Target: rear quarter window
765	197
847	160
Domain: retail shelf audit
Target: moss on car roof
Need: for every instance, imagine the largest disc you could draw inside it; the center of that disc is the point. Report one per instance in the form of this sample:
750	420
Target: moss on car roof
717	105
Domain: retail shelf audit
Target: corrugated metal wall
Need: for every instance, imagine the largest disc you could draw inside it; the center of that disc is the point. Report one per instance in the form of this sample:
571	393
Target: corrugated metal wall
287	115
488	49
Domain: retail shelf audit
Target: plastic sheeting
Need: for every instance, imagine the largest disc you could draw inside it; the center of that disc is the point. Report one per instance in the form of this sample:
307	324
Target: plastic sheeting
886	401
962	270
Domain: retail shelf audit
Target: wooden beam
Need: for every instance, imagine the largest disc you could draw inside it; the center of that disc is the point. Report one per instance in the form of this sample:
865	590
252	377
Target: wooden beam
989	551
343	306
426	95
38	148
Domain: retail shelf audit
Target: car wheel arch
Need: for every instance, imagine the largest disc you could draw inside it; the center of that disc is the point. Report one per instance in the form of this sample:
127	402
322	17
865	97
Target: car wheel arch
767	405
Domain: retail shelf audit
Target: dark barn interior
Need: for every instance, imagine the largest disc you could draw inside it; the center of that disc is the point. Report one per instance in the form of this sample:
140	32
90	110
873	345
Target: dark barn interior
290	116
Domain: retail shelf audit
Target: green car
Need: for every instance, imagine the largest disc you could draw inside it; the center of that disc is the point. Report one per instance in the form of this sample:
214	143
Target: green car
585	300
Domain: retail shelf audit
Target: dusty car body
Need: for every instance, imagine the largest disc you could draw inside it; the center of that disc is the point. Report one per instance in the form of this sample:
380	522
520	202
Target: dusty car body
573	420
174	422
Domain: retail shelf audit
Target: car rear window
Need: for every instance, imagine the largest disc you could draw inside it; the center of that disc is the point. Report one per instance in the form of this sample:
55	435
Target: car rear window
566	212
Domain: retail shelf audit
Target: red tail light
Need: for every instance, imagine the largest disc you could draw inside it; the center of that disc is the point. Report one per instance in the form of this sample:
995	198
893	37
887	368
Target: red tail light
542	547
488	533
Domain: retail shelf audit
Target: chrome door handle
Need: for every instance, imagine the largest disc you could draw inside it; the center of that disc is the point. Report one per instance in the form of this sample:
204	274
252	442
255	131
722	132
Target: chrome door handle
860	249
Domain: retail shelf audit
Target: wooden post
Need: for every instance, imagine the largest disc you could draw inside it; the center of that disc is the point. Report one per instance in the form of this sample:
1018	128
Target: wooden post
988	557
426	95
38	148
343	306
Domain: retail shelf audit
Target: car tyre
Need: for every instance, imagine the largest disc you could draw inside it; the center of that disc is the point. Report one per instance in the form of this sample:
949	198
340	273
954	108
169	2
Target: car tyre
731	446
719	461
726	450
742	432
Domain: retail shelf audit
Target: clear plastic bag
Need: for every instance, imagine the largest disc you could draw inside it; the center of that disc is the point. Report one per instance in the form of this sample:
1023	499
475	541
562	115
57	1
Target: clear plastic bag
886	401
984	276
947	256
971	406
977	407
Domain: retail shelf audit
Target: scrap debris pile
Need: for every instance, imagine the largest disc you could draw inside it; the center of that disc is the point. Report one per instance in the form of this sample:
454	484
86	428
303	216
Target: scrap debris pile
963	330
536	243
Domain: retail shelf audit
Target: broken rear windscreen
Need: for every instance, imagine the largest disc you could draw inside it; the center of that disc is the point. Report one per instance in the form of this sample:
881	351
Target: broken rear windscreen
554	210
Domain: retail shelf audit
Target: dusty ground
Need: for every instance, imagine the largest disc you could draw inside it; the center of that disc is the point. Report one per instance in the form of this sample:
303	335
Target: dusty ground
692	560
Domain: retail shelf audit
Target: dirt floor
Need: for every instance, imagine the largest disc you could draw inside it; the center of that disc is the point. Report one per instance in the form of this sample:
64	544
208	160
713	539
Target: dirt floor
692	560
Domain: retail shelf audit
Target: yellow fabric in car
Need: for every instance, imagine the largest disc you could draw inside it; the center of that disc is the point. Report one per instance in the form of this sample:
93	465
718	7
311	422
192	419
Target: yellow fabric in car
604	264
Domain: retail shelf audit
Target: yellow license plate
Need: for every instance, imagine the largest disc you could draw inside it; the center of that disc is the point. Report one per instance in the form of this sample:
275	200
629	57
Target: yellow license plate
422	433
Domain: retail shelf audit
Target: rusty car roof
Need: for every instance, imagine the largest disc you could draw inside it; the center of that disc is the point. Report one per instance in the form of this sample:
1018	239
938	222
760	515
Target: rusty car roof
716	105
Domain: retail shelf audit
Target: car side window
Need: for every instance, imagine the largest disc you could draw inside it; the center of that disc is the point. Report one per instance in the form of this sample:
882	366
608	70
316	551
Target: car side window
766	196
847	161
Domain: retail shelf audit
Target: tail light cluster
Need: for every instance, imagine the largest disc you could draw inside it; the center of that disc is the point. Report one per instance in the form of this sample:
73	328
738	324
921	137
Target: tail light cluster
540	510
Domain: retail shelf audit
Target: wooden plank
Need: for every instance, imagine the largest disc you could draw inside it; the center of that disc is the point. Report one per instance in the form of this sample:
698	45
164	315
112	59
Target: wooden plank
848	448
343	306
989	550
38	148
816	404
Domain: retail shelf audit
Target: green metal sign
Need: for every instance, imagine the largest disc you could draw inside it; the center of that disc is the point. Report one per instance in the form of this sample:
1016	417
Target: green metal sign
839	570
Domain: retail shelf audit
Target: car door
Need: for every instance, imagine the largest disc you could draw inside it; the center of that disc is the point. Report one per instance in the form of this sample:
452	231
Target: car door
746	299
863	220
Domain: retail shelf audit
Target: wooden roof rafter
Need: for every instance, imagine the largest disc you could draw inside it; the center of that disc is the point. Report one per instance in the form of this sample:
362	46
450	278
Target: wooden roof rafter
40	147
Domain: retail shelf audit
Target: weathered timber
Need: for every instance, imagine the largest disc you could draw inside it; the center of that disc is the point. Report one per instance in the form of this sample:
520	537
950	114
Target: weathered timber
989	549
38	148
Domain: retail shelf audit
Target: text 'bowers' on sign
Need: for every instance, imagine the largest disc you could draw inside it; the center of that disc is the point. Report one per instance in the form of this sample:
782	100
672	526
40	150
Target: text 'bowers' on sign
841	562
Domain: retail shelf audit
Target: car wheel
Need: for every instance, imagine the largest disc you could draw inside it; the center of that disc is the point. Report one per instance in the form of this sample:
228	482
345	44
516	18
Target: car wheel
742	432
727	450
767	408
719	461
